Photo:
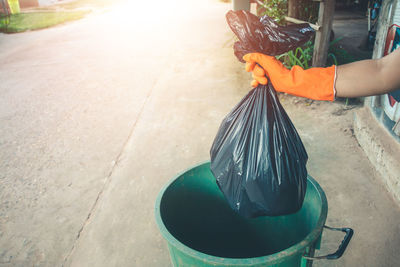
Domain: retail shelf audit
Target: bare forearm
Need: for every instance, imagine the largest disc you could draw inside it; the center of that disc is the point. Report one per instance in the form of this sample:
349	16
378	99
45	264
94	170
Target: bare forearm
369	77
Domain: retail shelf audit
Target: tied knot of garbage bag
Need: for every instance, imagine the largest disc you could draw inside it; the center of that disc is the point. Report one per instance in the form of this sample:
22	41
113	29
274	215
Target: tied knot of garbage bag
263	35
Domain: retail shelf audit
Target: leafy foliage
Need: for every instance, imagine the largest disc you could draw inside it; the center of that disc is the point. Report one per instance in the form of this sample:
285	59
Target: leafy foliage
301	56
338	55
306	10
276	9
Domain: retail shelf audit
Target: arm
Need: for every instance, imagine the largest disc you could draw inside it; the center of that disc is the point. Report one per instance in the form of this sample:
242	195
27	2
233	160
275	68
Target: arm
369	77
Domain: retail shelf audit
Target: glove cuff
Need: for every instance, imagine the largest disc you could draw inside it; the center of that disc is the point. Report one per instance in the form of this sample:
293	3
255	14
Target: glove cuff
334	85
328	89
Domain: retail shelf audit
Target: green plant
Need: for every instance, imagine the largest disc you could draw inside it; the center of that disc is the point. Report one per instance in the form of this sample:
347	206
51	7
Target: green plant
306	10
300	56
4	21
339	56
333	58
276	9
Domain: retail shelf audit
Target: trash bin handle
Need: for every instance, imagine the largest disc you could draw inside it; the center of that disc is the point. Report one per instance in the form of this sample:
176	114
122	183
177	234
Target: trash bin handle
342	247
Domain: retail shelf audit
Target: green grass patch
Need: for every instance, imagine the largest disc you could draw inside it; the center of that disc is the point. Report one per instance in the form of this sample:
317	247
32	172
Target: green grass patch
39	20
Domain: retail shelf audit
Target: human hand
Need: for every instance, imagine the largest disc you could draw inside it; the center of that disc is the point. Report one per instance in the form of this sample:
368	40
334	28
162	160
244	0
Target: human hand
313	83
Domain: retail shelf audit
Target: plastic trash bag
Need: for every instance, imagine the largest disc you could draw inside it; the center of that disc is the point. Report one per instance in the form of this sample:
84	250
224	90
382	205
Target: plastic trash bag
257	157
263	35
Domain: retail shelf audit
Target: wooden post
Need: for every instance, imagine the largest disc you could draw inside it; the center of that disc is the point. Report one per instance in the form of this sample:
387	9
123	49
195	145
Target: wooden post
293	9
325	18
298	21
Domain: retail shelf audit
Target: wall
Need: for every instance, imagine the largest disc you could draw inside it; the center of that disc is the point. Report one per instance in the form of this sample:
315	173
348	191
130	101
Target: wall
372	126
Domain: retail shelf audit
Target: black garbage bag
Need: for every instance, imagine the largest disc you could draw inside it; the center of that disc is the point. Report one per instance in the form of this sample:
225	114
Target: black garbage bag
257	157
263	35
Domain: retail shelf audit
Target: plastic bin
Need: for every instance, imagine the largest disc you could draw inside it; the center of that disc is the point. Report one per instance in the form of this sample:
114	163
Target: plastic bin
202	230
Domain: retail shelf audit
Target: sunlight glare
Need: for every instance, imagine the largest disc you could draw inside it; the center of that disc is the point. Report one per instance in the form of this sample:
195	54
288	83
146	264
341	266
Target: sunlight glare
148	12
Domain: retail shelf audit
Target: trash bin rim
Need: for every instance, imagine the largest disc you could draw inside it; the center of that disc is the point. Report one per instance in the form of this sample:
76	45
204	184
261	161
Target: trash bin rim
275	258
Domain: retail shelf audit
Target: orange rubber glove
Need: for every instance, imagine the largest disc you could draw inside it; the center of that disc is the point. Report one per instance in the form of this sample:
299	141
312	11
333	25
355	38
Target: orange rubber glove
313	83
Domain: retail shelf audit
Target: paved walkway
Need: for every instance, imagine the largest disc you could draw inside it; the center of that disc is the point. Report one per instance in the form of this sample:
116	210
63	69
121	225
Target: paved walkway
97	115
51	2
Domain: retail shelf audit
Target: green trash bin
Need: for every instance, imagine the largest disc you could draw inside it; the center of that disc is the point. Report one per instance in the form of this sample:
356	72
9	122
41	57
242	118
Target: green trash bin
14	6
202	230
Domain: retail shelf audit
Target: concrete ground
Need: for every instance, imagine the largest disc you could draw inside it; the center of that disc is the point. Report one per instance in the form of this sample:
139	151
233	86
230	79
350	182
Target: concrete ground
97	115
